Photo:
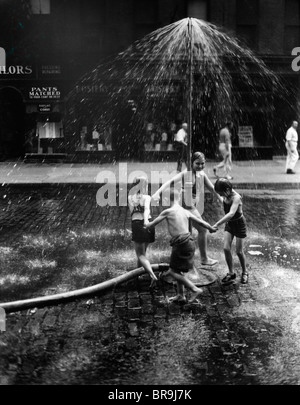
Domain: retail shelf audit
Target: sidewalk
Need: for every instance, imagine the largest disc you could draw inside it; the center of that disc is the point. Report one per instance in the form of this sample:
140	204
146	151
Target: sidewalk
246	174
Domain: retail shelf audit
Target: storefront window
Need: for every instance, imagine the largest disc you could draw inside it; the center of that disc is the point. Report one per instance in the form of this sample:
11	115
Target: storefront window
49	134
159	137
50	130
95	138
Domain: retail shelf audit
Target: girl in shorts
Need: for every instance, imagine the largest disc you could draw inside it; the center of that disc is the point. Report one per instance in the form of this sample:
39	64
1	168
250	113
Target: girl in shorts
139	206
235	227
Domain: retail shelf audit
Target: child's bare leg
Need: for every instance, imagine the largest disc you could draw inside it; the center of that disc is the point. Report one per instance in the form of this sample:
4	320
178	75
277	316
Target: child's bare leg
187	283
180	297
147	266
180	289
183	280
143	249
202	243
240	254
227	251
230	276
142	259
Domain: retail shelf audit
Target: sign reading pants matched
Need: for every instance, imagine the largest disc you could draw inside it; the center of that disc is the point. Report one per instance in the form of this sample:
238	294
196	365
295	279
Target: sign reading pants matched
44	93
245	134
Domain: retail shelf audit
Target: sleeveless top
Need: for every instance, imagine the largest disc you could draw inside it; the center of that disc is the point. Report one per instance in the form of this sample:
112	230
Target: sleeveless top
197	192
238	213
137	207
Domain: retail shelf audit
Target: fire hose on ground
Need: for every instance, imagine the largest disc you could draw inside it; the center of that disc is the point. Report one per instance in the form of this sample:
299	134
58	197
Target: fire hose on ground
83	292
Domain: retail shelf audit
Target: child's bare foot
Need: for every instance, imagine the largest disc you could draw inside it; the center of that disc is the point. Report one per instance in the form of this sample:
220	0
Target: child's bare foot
177	298
245	277
209	262
195	295
153	283
154	280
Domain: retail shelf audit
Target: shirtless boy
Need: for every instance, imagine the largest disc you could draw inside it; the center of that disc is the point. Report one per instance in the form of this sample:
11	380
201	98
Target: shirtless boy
183	246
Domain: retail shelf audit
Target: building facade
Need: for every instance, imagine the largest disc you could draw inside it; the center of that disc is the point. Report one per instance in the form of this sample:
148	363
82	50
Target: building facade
46	46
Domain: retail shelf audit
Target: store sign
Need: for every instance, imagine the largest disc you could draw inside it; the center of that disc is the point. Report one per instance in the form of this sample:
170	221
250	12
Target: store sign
12	70
245	134
37	93
15	70
92	89
45	108
51	70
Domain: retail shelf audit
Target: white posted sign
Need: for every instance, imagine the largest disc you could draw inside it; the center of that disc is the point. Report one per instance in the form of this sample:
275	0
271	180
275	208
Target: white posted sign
245	134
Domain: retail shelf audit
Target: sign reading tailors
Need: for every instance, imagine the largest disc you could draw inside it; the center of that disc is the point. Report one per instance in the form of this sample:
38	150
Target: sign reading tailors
44	93
245	137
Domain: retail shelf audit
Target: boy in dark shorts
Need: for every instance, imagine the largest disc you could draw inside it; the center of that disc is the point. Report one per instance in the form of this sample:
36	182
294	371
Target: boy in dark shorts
139	206
183	246
235	227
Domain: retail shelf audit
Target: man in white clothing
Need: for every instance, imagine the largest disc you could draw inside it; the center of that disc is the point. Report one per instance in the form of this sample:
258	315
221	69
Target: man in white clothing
291	143
180	145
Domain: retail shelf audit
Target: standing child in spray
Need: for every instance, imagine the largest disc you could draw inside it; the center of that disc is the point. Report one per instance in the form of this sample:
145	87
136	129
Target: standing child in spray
183	245
235	227
139	206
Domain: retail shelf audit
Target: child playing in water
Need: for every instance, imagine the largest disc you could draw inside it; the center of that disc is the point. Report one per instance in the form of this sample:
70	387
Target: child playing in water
139	206
235	227
200	181
183	246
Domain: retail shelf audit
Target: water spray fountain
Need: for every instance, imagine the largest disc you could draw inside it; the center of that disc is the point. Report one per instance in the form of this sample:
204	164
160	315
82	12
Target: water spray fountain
190	63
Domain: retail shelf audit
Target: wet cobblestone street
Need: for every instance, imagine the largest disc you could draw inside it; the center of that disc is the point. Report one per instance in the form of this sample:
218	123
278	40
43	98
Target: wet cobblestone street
239	334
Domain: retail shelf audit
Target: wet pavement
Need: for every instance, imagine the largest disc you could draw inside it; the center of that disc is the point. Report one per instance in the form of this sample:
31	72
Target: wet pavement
238	334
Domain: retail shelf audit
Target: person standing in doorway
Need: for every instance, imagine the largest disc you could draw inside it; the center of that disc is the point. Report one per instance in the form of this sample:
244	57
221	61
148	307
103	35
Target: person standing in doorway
180	142
291	143
225	150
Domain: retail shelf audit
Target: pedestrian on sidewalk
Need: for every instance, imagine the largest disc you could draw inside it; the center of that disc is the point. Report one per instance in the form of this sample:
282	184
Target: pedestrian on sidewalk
235	227
225	150
139	206
291	144
200	180
183	246
180	143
